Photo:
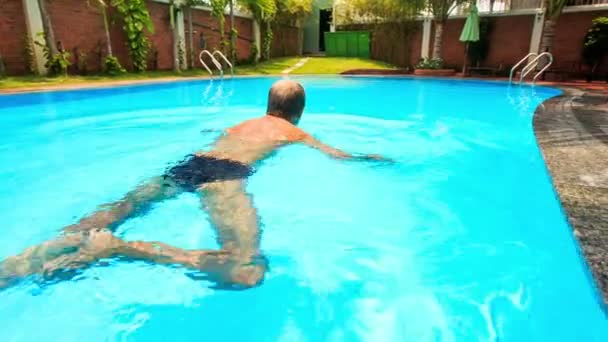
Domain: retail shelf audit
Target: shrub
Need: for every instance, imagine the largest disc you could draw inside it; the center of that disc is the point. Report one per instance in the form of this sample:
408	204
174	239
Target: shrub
2	67
82	62
595	46
28	55
253	55
430	63
136	20
58	64
112	66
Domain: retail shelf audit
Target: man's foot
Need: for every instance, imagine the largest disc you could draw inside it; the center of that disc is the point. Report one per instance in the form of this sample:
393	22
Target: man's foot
228	270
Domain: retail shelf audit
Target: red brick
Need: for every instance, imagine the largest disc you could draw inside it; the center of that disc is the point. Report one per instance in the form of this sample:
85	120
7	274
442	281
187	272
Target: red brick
12	34
392	44
509	41
162	38
204	23
285	41
569	36
78	26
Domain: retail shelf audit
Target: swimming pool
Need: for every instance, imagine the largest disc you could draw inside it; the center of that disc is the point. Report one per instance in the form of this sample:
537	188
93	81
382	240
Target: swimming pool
462	239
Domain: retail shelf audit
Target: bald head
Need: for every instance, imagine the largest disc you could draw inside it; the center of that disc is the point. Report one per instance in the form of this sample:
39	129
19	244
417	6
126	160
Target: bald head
286	100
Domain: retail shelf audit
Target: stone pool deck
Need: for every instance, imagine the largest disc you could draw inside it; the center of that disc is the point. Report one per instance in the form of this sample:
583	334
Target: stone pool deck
572	131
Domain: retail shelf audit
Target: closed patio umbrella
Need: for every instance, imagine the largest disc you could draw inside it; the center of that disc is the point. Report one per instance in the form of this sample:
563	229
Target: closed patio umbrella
470	33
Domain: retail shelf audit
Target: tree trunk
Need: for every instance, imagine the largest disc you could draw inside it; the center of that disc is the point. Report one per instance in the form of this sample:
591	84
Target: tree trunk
176	64
232	35
191	36
106	27
300	41
49	36
546	43
438	42
267	46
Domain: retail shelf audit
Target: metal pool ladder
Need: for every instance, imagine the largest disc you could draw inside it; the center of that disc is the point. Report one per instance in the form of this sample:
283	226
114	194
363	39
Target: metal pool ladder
215	62
531	65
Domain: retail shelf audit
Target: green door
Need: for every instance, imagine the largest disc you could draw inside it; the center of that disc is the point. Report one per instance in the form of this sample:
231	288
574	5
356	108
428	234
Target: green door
363	45
347	44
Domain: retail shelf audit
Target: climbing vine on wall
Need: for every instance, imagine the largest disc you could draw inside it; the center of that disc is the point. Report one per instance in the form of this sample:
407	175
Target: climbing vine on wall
217	10
136	20
263	12
28	55
267	41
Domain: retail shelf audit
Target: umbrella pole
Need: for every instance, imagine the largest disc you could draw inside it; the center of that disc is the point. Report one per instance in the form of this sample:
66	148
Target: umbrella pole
466	54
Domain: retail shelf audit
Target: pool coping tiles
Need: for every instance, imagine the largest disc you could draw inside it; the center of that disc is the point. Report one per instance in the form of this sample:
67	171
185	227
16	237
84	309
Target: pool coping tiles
572	132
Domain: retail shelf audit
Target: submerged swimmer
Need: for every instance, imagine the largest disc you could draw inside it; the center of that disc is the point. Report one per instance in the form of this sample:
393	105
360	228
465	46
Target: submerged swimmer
218	176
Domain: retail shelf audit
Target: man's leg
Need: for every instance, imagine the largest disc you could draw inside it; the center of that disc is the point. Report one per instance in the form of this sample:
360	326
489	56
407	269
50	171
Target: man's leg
110	215
238	233
238	263
88	240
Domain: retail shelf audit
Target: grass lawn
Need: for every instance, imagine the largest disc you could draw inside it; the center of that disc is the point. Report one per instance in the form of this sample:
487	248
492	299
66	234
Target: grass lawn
337	65
315	65
271	67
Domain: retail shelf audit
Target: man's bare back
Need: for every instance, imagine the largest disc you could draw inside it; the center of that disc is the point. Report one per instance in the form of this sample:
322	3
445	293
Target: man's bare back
250	141
219	177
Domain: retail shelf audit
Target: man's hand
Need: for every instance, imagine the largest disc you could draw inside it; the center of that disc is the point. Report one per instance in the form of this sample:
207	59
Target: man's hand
373	157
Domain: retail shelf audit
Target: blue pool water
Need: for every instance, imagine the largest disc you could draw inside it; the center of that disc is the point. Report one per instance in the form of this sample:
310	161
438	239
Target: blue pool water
462	239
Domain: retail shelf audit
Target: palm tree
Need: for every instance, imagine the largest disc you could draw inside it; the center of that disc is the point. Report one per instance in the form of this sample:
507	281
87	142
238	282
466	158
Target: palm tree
232	34
49	36
188	5
217	10
293	12
441	9
263	12
553	9
102	6
174	7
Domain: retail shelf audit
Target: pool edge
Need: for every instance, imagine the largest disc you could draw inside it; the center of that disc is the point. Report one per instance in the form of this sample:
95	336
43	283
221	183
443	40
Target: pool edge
565	126
176	79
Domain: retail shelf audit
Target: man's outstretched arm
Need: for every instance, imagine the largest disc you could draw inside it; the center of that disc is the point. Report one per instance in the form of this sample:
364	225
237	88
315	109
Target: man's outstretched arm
336	153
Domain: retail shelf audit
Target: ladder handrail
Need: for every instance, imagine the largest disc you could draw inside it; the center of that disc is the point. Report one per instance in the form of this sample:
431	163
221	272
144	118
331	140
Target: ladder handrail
530	66
225	60
213	60
544	68
200	58
531	54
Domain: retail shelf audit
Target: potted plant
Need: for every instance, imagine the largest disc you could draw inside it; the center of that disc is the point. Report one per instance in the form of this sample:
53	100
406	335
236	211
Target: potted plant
432	67
595	47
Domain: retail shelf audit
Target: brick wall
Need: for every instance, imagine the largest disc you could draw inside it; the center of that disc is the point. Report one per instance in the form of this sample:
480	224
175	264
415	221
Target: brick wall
286	41
416	46
12	33
245	39
453	49
79	28
162	38
569	36
203	23
510	39
399	45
